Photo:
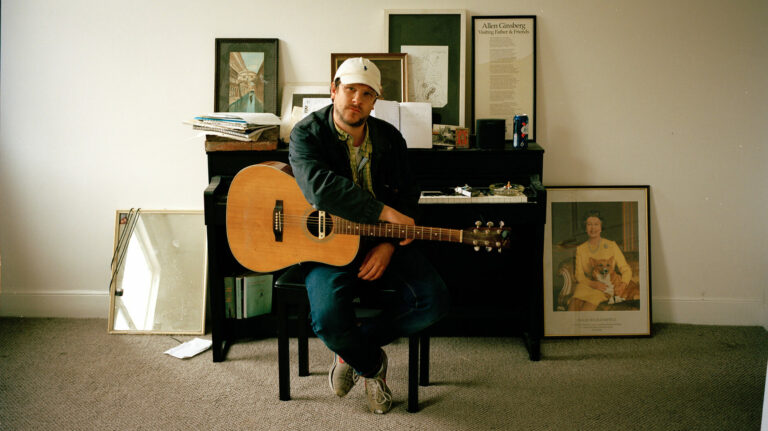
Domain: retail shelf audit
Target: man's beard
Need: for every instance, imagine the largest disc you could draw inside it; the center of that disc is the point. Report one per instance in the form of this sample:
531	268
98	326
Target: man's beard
340	114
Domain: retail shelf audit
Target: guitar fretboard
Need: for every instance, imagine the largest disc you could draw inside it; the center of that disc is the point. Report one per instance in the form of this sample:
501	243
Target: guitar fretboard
391	230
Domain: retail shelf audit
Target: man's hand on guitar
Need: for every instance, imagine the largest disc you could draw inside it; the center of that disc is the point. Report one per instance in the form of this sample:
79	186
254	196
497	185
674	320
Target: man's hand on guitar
391	215
376	261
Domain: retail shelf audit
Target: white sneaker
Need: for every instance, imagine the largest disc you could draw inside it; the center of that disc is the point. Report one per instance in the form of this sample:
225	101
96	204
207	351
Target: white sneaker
376	390
341	377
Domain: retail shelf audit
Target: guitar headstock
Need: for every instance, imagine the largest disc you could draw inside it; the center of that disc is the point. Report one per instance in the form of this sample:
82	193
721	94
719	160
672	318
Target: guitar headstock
487	237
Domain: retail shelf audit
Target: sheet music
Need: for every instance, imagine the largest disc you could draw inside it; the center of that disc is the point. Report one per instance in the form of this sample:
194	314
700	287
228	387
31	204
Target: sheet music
388	111
416	124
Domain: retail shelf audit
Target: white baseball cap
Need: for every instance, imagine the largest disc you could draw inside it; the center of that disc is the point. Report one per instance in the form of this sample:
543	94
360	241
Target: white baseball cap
359	70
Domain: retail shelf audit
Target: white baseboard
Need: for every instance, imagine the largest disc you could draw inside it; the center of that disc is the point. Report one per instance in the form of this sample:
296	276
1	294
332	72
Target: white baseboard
765	316
65	303
710	311
91	304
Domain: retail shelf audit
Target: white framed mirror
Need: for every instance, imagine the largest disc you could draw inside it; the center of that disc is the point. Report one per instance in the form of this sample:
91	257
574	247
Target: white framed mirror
158	283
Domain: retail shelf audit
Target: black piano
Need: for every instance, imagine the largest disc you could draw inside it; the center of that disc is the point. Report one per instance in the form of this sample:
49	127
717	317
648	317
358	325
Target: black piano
492	293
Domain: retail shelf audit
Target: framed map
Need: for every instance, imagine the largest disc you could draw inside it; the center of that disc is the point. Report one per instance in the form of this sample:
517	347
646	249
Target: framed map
429	68
435	41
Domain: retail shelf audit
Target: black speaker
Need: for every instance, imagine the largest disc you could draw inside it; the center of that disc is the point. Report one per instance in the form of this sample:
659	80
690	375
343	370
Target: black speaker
490	133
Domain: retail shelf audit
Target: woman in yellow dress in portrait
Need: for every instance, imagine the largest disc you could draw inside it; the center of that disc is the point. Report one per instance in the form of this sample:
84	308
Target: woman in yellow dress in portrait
590	293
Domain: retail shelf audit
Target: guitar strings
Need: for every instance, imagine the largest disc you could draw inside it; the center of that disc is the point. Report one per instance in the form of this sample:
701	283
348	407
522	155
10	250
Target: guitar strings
341	222
345	226
338	221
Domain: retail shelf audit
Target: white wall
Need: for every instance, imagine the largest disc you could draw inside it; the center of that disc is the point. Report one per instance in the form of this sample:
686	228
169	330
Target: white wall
659	92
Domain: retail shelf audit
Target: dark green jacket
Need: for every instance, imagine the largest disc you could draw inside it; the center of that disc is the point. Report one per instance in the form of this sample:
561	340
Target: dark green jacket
320	163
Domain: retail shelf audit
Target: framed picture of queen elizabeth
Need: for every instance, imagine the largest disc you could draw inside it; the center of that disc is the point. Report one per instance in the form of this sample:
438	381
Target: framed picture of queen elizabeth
597	261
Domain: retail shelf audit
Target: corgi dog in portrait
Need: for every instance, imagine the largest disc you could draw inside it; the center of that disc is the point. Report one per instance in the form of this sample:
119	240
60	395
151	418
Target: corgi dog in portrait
617	291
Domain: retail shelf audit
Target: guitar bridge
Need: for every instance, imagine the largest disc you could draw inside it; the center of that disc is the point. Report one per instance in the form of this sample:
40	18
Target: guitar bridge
321	225
277	221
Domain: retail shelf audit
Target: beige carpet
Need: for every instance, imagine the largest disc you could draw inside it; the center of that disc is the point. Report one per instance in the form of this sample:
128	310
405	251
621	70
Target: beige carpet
69	374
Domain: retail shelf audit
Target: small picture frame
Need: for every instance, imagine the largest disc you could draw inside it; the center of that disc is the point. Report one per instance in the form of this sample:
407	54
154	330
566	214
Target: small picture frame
294	96
393	68
504	70
450	136
597	275
246	76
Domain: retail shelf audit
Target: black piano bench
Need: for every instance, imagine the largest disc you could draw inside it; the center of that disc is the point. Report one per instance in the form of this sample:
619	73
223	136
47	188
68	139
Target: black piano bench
290	292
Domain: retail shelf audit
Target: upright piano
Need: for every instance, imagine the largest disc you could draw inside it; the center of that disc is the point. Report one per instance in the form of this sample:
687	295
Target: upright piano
492	293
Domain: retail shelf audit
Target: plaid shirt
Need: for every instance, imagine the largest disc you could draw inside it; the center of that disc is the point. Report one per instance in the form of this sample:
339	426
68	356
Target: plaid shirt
359	159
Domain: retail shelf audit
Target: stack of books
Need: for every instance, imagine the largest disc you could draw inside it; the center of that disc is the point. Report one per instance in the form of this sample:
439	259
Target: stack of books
247	295
240	126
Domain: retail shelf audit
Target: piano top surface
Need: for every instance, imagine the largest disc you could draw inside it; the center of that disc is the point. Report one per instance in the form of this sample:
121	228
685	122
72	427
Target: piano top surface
434	167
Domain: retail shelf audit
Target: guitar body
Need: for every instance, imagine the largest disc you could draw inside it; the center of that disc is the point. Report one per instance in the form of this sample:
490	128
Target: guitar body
257	244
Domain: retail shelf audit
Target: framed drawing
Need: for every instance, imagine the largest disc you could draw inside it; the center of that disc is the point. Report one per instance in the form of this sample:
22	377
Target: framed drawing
597	274
393	68
435	41
504	69
246	75
298	100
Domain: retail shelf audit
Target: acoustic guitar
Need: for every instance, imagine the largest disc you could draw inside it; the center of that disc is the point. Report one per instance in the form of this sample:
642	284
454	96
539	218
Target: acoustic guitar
270	225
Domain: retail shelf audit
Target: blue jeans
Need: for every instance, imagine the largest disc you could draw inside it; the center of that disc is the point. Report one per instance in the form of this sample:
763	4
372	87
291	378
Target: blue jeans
422	300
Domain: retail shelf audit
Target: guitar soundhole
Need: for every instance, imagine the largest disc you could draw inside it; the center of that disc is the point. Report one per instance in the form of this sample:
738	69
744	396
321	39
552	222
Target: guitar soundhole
317	227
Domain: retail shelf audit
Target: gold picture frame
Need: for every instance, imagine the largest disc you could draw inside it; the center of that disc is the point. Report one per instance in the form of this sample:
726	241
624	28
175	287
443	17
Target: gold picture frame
619	259
393	68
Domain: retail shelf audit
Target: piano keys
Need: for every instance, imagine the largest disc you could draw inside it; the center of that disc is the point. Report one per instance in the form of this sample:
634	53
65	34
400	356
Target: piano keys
436	197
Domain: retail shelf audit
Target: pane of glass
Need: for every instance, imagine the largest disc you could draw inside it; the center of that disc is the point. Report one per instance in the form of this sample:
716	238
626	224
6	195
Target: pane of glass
160	283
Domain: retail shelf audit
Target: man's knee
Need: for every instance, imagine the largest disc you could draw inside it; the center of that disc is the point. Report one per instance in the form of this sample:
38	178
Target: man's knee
335	333
438	304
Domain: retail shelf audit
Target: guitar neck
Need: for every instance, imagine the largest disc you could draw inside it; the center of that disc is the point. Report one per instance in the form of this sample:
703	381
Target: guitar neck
392	230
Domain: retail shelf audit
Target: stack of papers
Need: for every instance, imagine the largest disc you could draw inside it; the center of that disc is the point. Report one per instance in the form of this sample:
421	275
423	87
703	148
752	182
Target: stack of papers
241	126
190	348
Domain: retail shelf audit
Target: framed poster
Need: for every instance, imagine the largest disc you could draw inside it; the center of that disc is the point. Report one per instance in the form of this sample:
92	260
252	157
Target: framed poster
246	75
597	275
504	70
393	68
435	41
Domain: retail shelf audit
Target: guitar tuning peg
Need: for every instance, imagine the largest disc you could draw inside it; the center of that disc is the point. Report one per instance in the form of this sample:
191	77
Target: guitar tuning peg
499	249
490	224
477	248
478	223
501	223
488	248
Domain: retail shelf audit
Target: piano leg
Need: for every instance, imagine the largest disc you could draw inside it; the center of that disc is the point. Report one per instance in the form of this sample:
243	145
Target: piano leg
216	295
536	297
533	344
